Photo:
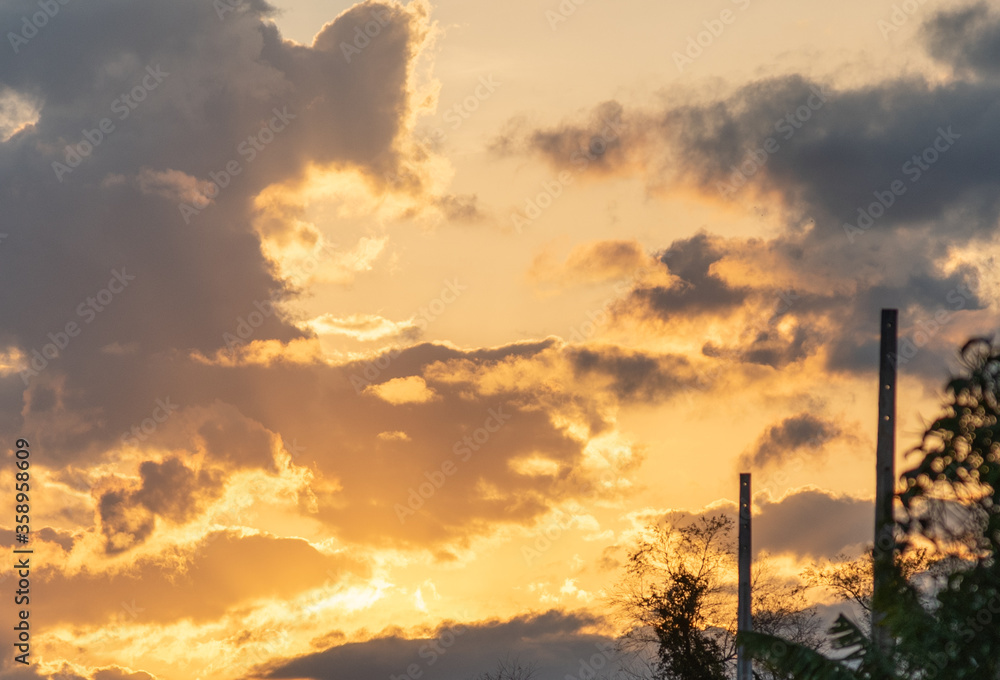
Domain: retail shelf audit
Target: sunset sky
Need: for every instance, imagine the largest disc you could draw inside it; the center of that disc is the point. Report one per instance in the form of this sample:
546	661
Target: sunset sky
344	333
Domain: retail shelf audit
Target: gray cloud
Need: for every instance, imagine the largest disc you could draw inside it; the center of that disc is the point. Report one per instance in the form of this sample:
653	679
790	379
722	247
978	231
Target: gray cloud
169	489
813	523
222	82
634	376
808	523
555	641
803	431
968	38
834	153
699	291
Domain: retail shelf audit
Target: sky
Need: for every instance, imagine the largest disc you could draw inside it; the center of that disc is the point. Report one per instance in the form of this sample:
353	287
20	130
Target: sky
364	340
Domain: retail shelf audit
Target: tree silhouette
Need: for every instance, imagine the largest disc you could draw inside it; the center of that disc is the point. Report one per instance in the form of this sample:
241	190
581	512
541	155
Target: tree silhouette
510	669
850	579
945	630
678	598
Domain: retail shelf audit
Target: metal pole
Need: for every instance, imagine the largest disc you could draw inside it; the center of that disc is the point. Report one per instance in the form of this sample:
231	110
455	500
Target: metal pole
743	619
885	478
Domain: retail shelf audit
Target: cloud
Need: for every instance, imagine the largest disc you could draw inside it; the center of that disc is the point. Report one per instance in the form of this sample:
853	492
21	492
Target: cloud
968	38
813	523
699	289
169	489
16	113
809	289
173	185
551	399
598	144
801	432
594	262
559	643
786	299
409	390
199	583
226	82
827	165
633	376
461	208
67	672
808	523
365	327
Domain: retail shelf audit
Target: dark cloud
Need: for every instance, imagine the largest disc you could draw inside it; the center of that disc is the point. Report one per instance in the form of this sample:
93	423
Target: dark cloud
634	376
124	523
699	291
834	153
968	38
218	82
801	432
233	418
116	673
175	491
169	489
596	143
769	348
832	149
64	539
813	523
808	523
464	208
236	440
779	324
554	641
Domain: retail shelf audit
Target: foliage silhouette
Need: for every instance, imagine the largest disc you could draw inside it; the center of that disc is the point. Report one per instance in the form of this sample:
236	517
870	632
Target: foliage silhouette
946	629
678	599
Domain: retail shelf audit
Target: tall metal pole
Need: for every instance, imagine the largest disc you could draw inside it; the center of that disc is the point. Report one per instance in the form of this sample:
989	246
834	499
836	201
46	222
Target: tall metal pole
885	478
743	620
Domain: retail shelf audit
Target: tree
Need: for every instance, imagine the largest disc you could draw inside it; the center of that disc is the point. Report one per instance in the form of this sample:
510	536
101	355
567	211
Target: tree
678	598
952	502
850	579
945	628
510	669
